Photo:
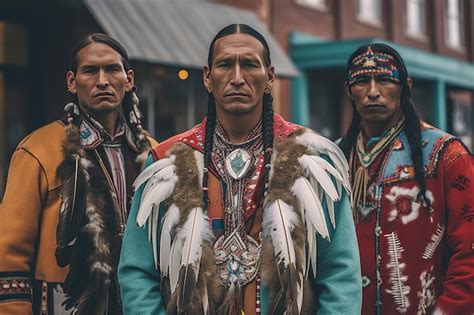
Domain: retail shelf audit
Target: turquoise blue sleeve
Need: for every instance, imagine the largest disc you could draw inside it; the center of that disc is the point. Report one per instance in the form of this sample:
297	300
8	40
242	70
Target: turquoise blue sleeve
139	279
338	280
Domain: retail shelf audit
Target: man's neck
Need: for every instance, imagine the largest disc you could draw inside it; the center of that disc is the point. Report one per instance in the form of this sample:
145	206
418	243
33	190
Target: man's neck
238	127
107	120
376	129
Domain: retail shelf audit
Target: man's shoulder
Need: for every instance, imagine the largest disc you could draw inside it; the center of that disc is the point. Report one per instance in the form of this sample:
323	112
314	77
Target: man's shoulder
46	136
193	137
45	145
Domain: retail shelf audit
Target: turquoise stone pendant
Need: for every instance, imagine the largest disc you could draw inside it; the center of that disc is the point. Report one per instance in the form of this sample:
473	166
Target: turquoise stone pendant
237	163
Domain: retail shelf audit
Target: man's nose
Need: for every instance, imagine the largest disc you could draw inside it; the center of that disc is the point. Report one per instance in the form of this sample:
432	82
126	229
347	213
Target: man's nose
102	80
237	78
374	91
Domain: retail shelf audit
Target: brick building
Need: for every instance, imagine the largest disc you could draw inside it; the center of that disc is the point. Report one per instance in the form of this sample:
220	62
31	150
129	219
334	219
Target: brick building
435	37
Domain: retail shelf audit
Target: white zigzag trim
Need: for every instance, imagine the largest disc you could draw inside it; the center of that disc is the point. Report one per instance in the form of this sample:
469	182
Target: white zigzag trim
399	290
433	244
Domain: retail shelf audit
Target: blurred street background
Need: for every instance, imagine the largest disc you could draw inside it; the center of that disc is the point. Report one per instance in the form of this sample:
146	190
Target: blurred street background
168	42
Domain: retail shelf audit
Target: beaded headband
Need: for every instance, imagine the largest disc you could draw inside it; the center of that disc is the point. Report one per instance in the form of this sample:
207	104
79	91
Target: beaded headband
370	62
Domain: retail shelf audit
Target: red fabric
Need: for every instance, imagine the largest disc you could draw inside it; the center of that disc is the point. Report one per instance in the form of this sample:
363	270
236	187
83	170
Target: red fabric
449	274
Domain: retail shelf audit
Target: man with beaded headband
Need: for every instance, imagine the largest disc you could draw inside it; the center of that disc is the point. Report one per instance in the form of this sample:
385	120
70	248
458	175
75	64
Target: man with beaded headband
412	195
68	191
245	212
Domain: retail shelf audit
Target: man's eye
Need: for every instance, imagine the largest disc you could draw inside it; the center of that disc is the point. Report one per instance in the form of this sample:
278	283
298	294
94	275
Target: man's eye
223	64
250	65
383	79
362	81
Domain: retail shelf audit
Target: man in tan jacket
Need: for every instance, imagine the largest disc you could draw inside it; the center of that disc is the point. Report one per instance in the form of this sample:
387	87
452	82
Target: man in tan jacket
68	192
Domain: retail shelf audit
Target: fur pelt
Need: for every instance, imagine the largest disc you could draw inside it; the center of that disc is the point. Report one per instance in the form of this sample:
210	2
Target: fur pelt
188	195
285	170
93	252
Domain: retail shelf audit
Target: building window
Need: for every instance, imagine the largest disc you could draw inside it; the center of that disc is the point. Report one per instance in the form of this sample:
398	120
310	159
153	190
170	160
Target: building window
416	18
369	11
316	4
453	23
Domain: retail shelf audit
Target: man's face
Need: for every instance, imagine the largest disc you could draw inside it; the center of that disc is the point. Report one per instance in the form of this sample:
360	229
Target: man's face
376	98
100	81
238	74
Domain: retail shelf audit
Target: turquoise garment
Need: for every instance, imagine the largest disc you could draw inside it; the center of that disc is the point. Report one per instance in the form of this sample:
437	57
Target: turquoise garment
338	278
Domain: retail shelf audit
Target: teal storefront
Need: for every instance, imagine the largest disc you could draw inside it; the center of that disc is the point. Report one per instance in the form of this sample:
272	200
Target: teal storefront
443	87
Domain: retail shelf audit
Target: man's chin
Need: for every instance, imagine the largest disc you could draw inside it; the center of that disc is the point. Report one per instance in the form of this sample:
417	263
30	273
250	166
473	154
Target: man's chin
103	108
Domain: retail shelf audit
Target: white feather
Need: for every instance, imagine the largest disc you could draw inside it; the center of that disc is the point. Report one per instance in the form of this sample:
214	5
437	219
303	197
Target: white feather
164	174
154	231
175	259
299	294
279	220
313	168
312	209
340	180
148	172
318	145
197	230
158	193
170	220
187	245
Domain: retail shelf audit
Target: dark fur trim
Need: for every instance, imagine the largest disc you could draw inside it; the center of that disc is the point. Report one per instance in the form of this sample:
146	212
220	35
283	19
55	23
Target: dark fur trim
93	258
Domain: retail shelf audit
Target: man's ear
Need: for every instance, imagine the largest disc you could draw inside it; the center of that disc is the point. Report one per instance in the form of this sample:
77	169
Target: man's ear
130	80
71	82
410	83
271	76
206	78
348	90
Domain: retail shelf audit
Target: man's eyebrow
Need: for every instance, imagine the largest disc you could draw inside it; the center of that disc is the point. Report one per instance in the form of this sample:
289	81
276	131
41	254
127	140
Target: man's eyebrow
88	66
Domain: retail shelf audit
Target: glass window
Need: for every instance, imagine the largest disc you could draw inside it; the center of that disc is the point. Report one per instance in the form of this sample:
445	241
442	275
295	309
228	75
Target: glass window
416	17
317	4
460	115
453	23
369	11
171	104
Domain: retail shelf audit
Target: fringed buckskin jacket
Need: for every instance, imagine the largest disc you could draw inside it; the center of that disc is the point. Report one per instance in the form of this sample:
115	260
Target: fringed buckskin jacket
309	259
30	277
426	255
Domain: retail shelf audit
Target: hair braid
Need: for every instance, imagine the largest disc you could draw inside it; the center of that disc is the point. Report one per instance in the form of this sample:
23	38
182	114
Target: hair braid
349	139
412	130
267	128
208	141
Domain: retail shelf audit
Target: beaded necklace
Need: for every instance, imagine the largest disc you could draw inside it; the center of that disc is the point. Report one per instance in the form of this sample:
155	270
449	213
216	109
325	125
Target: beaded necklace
237	254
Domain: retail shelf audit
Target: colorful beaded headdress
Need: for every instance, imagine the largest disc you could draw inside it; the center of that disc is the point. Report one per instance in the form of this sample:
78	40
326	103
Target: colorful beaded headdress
370	62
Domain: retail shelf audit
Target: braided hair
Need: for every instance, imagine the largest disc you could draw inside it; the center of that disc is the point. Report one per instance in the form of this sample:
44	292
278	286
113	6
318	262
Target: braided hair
267	115
412	127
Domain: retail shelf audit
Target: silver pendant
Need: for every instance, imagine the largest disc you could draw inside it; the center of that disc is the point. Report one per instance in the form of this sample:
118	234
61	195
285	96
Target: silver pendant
236	260
237	163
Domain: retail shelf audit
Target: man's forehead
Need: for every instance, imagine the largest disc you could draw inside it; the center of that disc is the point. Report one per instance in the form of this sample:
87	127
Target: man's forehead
98	53
243	44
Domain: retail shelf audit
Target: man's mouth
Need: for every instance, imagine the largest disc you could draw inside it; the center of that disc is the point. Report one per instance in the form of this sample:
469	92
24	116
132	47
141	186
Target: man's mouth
103	94
370	106
236	94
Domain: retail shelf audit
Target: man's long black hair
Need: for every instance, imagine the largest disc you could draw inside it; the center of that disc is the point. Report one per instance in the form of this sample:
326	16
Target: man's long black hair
412	126
267	115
